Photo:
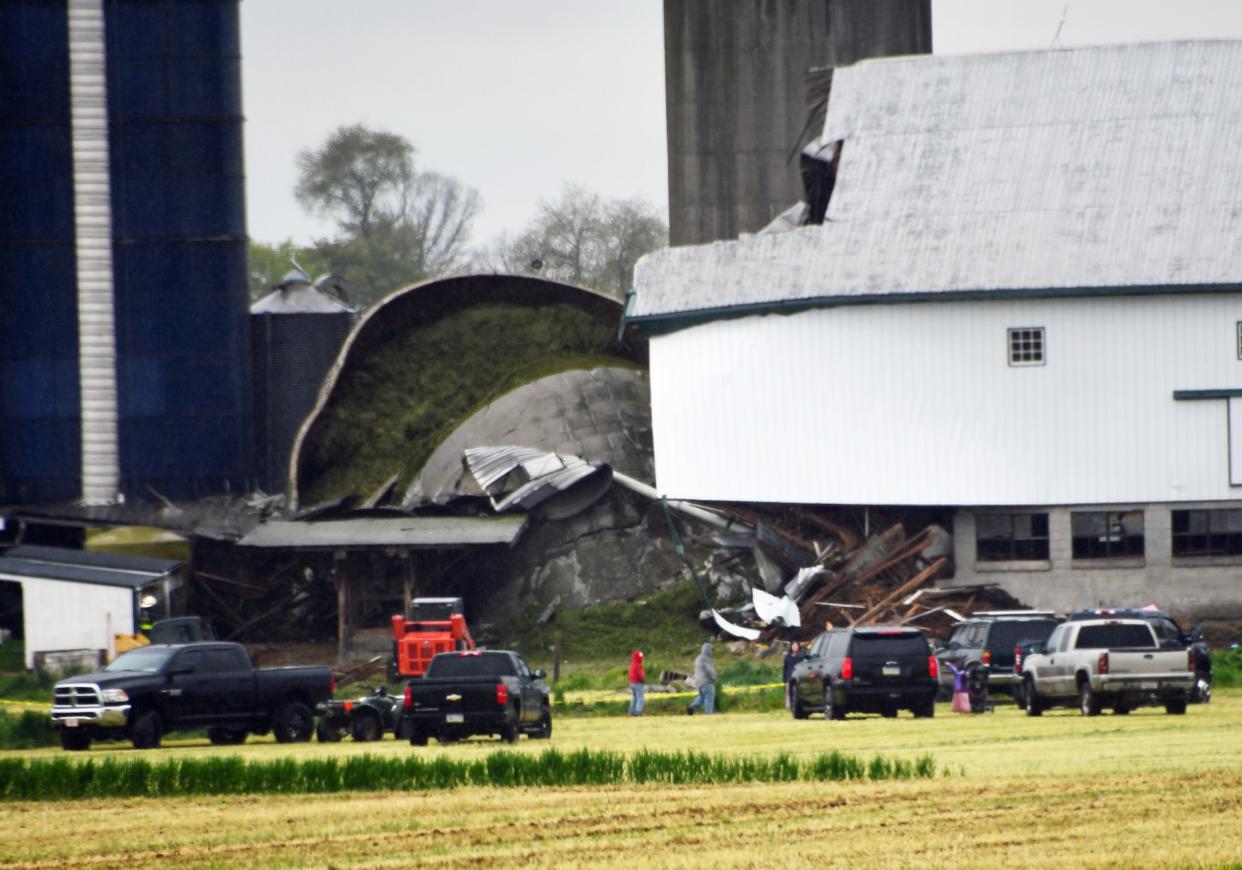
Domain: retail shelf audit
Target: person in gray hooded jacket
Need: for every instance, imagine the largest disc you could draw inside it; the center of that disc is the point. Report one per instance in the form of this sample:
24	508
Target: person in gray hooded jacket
705	679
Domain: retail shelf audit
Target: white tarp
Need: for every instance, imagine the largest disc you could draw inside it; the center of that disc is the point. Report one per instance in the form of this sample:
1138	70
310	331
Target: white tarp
735	630
776	611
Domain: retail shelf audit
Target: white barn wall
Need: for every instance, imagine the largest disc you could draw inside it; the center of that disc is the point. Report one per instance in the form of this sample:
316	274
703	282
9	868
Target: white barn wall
67	616
915	404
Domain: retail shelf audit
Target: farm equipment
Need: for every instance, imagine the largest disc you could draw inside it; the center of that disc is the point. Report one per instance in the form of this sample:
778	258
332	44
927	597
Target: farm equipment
435	625
365	719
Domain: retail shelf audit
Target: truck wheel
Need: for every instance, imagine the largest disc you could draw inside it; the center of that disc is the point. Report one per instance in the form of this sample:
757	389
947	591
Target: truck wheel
366	728
293	723
1088	703
1121	710
926	709
1175	708
146	730
795	702
74	742
225	736
418	737
326	732
509	733
832	710
543	730
1031	702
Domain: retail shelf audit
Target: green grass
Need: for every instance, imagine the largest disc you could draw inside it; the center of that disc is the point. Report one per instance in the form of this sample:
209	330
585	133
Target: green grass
66	779
596	643
26	730
397	402
1227	668
12	656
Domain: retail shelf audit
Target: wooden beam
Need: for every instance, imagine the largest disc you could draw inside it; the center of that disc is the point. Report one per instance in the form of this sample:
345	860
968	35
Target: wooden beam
905	589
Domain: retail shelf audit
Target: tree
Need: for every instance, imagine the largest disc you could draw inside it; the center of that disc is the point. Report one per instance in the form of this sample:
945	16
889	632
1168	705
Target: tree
359	177
396	226
581	238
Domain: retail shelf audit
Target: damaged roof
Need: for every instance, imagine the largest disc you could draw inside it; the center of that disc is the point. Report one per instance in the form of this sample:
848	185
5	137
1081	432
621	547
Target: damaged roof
424	531
1090	170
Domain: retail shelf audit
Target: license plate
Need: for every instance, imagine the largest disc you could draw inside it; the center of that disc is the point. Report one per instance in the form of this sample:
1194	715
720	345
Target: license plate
1148	686
72	723
454	717
891	671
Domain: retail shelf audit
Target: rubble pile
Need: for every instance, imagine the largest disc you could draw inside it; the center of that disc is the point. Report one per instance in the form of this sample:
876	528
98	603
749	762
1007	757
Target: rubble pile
889	577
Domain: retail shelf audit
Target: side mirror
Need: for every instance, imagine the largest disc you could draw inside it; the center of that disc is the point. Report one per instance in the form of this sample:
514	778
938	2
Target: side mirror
539	674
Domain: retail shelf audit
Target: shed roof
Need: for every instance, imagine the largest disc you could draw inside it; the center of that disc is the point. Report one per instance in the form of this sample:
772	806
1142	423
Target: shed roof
84	566
388	532
1108	169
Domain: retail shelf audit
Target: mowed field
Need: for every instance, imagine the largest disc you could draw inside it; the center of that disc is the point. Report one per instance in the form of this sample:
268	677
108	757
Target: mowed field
1144	790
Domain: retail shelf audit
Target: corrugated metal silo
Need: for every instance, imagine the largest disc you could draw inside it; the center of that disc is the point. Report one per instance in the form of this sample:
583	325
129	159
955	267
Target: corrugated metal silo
174	90
39	417
296	332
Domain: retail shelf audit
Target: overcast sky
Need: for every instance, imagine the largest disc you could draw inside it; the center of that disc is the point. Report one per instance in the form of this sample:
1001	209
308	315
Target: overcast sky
516	97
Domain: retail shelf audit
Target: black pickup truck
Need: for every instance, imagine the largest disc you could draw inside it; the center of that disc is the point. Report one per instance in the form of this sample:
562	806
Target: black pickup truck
149	691
476	692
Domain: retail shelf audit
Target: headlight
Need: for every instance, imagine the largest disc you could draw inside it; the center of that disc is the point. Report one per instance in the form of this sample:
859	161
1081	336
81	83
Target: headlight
115	696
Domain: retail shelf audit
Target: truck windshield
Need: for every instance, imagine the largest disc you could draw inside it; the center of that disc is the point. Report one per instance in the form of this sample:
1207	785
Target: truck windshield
470	665
147	660
1113	636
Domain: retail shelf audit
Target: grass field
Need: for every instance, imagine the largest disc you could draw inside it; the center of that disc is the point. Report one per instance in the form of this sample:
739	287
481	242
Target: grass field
1143	790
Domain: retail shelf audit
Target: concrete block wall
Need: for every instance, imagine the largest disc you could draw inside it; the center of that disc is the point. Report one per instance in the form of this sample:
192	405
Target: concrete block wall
1195	589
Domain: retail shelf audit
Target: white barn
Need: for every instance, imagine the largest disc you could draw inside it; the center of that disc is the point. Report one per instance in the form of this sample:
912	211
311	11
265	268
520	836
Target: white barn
1024	303
75	600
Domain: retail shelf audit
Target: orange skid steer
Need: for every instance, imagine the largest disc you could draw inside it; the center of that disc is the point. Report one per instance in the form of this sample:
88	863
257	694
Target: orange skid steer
435	625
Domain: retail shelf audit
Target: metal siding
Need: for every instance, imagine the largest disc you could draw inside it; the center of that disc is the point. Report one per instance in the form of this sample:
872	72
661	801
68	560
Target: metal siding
92	209
1103	167
916	404
64	615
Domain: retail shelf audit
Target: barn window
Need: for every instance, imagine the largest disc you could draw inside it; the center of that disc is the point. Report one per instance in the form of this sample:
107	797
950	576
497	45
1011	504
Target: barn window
1240	339
1011	537
1207	533
1026	346
1107	534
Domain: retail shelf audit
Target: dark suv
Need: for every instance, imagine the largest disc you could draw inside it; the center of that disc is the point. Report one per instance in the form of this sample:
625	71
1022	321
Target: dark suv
988	639
866	670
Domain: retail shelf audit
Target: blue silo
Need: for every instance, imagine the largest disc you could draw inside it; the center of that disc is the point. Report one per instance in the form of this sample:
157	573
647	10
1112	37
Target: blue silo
39	396
144	385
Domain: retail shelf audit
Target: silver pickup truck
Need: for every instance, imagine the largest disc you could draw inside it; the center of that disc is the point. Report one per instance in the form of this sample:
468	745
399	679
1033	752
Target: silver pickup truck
1099	663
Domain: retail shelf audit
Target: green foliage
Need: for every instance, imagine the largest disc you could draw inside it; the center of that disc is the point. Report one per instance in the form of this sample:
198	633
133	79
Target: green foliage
28	730
62	779
750	672
31	686
12	656
663	624
269	263
397	402
1227	668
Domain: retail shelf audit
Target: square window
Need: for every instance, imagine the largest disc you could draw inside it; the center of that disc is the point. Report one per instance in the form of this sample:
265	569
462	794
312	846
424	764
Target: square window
1207	533
1240	339
1011	537
1026	346
1107	535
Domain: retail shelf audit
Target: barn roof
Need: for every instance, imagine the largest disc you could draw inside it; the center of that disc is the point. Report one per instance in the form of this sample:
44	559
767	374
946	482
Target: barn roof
84	566
1096	170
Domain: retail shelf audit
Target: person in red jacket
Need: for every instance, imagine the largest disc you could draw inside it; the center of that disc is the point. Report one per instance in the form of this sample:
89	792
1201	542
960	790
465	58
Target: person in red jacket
638	683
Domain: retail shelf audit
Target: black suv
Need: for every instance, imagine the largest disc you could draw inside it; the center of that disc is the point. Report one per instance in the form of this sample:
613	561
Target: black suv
1171	636
866	670
987	639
